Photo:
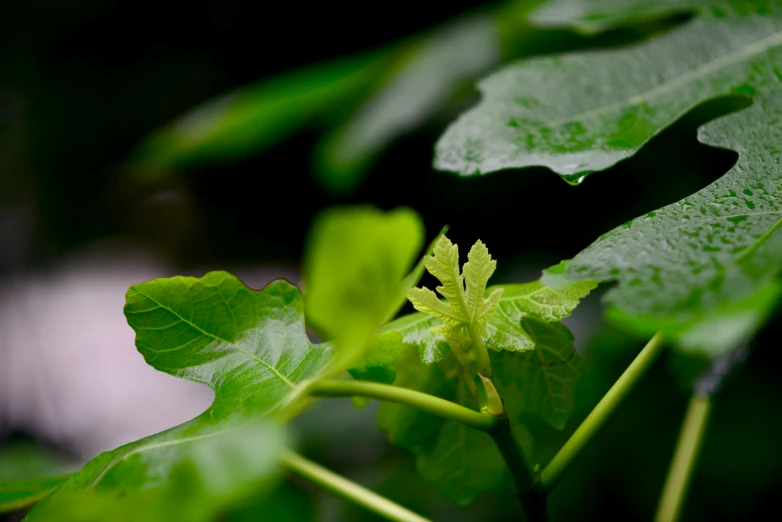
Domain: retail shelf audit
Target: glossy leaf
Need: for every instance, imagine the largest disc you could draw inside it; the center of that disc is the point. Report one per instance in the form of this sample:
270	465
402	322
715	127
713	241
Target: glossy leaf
357	260
711	258
541	381
421	82
251	348
258	116
19	494
586	111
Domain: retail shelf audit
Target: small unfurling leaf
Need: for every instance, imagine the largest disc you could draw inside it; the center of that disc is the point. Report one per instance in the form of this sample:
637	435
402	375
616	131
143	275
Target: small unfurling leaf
465	310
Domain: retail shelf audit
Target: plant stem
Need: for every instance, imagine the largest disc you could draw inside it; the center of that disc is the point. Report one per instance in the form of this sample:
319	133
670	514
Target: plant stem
518	464
422	401
497	426
522	474
553	472
348	490
684	458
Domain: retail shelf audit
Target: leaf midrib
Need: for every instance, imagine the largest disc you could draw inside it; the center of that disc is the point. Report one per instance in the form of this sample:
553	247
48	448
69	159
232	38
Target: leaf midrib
694	74
119	458
216	338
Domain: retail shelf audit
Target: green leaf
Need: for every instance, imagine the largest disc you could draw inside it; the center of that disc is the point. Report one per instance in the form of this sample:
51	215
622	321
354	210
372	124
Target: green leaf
19	494
210	476
477	271
586	111
711	258
416	330
23	459
541	381
534	299
379	363
444	265
465	311
357	259
286	503
387	347
712	332
258	116
409	427
424	80
504	328
251	348
461	462
599	15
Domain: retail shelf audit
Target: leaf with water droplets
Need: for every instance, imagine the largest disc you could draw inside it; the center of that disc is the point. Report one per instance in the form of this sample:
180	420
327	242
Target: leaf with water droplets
702	269
584	112
251	348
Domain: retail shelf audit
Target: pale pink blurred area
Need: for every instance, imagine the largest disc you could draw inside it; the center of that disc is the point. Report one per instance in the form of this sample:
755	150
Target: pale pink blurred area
69	370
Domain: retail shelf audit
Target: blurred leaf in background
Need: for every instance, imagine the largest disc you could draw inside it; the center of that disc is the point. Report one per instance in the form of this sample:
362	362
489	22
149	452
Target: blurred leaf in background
354	276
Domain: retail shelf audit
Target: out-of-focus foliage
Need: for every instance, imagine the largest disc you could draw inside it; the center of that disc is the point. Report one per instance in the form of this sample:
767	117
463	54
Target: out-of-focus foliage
28	472
257	117
21	493
356	263
381	95
599	15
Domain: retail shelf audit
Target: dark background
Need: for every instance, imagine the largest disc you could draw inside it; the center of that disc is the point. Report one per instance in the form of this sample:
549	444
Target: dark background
82	83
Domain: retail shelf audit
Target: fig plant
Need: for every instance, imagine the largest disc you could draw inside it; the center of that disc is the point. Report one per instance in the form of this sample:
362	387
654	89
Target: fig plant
456	378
